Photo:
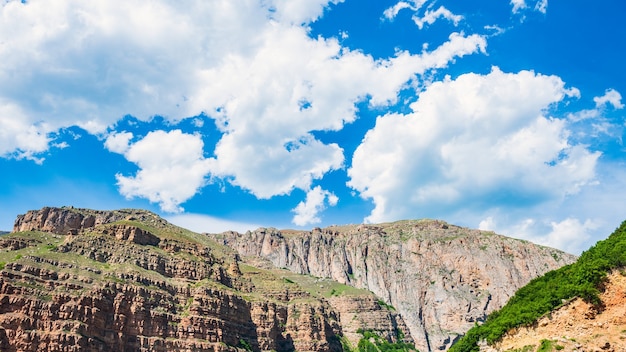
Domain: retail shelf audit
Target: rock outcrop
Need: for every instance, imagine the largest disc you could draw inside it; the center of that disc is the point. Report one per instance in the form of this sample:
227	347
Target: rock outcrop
133	234
84	280
70	220
366	313
441	278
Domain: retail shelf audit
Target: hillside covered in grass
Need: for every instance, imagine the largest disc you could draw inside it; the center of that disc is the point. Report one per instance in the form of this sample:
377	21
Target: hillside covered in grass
585	279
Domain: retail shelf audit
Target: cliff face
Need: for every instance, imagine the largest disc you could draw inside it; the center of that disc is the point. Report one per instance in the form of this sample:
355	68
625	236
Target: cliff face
68	220
85	280
441	278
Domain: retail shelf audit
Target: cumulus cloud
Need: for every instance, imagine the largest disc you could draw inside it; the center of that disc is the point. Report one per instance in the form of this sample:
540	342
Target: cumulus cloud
487	224
68	63
90	64
298	11
316	201
572	224
570	234
20	137
171	169
475	139
268	104
118	142
252	67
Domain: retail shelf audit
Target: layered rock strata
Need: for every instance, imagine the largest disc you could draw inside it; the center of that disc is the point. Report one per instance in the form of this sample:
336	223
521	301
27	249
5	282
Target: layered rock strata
85	280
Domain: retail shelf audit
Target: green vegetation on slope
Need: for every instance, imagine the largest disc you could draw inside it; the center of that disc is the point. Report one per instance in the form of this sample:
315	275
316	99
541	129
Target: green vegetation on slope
582	279
372	342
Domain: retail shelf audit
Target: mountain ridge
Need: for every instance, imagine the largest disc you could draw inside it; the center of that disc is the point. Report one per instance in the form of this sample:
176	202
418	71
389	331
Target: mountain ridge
153	286
442	278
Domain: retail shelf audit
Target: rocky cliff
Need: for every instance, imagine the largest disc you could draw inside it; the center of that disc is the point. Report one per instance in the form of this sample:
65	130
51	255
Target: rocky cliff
441	278
68	220
85	280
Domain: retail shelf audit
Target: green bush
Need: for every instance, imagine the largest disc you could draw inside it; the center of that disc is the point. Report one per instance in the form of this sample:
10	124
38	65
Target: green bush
372	342
582	279
245	345
385	305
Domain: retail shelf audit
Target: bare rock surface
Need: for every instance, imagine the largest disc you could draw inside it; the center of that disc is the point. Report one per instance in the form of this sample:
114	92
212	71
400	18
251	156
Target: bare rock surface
126	280
71	220
441	278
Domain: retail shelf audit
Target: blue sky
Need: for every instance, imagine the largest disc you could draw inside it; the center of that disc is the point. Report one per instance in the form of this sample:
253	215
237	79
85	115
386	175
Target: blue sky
501	115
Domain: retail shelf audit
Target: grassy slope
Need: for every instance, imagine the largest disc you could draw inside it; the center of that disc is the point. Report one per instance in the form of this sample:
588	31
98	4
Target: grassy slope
582	279
44	245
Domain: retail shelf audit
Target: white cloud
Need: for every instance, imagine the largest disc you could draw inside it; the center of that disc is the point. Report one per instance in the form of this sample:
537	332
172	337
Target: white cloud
299	11
572	224
251	66
391	12
518	5
428	17
69	63
203	223
316	201
431	16
118	142
612	97
583	115
198	122
521	5
594	123
487	224
471	140
496	30
21	138
171	169
569	234
267	104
